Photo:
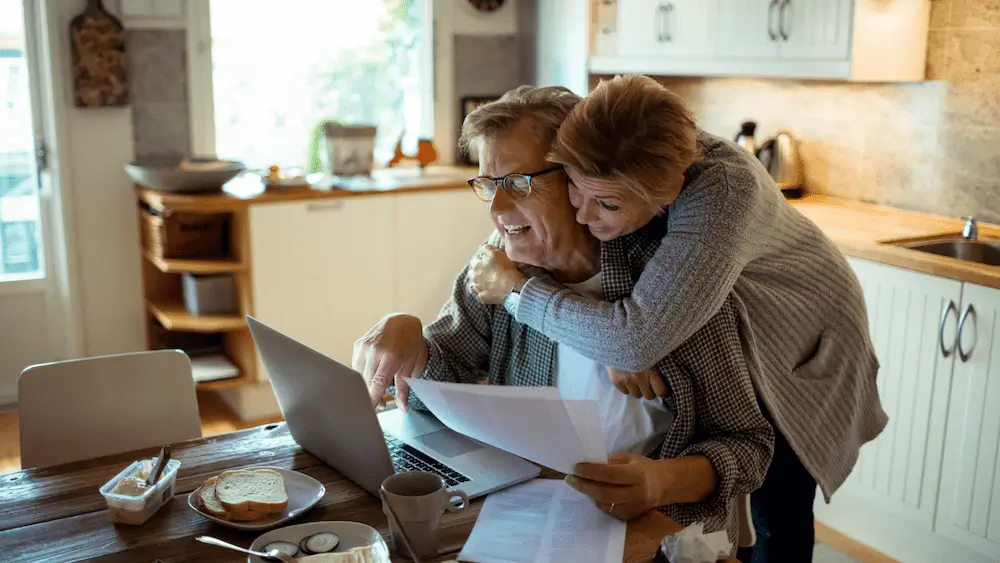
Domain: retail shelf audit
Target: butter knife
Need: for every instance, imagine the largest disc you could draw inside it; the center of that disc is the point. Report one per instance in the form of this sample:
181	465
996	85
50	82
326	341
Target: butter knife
161	463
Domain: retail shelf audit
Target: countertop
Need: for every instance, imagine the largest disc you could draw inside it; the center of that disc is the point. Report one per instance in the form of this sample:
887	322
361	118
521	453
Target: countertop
243	191
864	231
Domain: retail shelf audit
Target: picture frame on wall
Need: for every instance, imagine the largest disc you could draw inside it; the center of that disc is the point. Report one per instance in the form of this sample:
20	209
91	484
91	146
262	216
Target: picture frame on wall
468	105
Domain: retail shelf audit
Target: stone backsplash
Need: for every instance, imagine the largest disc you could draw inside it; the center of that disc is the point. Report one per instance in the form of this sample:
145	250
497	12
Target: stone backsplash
930	146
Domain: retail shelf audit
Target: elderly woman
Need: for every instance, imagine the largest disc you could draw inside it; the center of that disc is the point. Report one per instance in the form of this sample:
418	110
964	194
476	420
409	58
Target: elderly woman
690	454
635	159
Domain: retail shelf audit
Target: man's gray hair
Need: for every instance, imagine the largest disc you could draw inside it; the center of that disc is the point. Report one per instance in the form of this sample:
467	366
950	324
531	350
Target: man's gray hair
545	107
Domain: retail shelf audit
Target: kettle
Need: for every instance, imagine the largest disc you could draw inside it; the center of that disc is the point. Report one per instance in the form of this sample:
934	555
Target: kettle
745	137
780	157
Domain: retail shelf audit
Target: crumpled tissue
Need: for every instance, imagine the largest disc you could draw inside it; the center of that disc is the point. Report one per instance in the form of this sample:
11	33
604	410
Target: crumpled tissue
692	545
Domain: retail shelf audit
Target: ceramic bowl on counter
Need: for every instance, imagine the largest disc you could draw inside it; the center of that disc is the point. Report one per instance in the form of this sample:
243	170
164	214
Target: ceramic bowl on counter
175	174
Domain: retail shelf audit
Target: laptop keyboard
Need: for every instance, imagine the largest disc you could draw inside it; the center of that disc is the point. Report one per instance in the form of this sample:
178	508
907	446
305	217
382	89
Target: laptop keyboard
407	458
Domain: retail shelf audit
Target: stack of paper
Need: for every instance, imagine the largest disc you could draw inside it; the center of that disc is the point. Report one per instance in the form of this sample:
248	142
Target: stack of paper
532	422
543	521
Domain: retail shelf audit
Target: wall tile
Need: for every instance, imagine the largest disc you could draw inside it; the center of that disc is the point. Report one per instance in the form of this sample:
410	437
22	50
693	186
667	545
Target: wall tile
973	104
974	54
161	129
937	54
975	13
157	65
940	14
485	65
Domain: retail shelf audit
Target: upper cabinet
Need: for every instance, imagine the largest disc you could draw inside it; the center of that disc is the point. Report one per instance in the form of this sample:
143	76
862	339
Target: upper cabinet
669	28
833	39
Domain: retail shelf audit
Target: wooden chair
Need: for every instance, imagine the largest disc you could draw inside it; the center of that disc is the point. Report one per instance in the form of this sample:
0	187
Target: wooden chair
81	409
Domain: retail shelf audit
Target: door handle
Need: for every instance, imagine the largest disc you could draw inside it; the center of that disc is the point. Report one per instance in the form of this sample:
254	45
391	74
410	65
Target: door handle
770	19
328	206
969	310
781	19
950	307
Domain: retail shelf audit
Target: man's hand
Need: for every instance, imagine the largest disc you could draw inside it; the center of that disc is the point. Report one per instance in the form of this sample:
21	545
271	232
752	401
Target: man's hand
492	275
626	487
392	349
648	384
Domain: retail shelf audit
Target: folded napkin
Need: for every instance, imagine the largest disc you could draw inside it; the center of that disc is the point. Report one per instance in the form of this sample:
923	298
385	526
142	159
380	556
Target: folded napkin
692	545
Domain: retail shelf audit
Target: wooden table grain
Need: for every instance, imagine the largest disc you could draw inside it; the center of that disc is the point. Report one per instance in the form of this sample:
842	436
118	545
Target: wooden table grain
57	513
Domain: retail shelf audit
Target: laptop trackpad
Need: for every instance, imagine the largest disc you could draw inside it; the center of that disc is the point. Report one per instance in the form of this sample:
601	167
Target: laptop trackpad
448	443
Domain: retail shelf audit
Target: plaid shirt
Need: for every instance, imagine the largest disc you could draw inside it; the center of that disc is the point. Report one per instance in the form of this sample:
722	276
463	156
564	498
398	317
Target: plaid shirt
710	391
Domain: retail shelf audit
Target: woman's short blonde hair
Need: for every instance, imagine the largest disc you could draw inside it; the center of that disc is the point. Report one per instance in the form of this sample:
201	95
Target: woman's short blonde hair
544	108
634	132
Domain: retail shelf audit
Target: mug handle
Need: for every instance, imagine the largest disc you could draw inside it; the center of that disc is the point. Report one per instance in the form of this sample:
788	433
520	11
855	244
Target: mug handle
449	506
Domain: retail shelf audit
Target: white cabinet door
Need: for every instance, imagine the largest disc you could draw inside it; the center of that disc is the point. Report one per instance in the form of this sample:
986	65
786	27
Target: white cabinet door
748	29
969	506
913	319
323	270
680	28
436	235
816	29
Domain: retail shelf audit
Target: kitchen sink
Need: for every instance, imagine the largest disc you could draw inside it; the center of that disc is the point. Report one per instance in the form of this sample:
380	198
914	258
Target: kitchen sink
978	251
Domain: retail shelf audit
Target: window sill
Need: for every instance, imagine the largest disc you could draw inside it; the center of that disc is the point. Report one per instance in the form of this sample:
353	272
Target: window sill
21	284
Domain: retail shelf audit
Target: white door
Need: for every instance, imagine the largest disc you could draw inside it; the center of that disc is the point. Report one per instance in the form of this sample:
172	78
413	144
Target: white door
323	271
816	29
436	235
26	305
969	506
680	28
748	29
913	319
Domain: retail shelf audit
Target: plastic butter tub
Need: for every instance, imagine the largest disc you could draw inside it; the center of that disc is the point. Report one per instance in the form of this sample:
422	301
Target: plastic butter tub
138	505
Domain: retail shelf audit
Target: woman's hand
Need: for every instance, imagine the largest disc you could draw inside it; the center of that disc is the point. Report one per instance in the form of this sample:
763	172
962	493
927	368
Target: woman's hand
648	384
492	275
626	487
392	349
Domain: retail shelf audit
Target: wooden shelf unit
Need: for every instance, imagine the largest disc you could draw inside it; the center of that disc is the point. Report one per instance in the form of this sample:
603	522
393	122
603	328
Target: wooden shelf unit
164	295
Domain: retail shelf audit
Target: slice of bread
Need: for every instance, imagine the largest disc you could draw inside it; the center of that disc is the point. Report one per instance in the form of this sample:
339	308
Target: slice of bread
251	491
210	504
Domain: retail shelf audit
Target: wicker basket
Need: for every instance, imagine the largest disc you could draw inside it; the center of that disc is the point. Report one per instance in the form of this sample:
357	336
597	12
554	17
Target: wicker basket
185	235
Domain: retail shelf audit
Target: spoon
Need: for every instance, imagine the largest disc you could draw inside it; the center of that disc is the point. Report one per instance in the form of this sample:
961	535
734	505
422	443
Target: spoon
273	554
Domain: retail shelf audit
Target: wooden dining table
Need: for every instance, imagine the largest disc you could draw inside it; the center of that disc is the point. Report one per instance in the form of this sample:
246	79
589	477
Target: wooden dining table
57	513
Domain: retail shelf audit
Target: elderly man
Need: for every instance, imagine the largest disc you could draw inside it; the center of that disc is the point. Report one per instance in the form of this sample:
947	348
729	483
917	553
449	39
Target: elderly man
690	454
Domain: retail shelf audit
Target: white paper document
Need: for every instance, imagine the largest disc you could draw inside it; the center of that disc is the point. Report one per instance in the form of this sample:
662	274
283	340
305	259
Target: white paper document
543	521
535	423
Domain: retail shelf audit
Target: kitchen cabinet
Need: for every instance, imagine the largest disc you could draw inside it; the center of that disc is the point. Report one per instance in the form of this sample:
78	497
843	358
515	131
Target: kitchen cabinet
923	490
827	39
671	28
323	270
969	504
435	236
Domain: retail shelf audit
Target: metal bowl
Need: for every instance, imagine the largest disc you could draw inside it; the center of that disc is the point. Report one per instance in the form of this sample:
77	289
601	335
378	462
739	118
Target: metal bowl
178	175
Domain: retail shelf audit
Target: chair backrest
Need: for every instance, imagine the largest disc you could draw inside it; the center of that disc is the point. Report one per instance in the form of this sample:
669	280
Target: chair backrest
81	409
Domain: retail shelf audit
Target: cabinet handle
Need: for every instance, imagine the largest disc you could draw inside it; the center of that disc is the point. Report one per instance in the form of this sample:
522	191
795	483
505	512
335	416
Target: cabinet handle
781	19
770	19
969	310
660	17
319	207
950	307
668	19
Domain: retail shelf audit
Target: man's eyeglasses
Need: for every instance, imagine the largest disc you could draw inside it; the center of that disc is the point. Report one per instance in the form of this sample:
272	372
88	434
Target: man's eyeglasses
517	186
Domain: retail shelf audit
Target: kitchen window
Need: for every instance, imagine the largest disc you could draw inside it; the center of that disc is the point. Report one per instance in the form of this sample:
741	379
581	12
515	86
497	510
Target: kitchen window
279	69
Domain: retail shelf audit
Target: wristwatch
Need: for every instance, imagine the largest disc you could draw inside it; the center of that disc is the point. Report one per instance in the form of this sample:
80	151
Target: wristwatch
512	298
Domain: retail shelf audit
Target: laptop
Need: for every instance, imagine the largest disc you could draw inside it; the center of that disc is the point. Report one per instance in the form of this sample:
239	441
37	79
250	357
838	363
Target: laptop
329	413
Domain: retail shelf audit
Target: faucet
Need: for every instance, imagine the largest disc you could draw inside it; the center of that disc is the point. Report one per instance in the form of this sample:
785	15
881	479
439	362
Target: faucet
971	229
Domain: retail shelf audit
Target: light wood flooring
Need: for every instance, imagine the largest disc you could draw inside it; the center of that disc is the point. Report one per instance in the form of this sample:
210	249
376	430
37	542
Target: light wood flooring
216	418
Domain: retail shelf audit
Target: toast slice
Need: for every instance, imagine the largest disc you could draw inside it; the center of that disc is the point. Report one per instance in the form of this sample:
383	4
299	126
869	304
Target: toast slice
211	505
256	491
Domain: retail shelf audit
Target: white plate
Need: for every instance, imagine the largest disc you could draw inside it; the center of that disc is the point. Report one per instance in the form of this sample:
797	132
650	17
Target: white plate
303	493
351	534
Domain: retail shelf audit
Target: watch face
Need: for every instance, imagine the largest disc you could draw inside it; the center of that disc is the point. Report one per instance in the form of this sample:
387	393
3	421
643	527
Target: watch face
486	5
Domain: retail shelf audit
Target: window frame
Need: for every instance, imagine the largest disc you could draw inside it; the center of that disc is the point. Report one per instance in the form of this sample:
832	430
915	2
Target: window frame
201	90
